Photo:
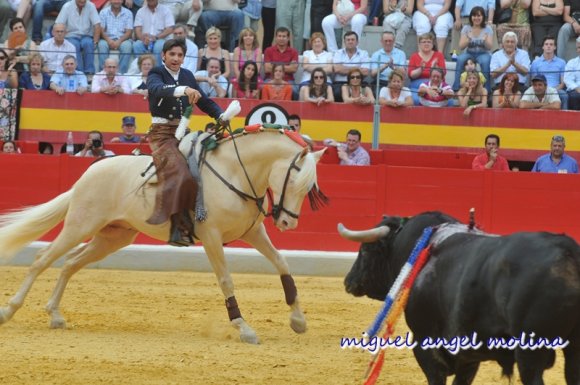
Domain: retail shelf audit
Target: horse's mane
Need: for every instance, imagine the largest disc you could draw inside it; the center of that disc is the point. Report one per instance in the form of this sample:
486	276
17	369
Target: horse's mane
306	178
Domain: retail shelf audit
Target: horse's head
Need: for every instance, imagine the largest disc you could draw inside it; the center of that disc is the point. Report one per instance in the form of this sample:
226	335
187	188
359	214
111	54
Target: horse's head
290	180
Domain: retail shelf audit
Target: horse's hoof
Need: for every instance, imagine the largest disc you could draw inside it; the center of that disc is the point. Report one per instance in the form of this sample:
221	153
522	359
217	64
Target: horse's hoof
58	323
3	317
298	324
250	338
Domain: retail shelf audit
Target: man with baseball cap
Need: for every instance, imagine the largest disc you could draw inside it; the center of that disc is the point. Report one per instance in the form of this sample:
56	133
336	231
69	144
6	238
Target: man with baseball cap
540	96
129	128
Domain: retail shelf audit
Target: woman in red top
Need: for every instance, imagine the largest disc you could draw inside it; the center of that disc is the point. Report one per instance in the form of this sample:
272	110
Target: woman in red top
247	86
421	62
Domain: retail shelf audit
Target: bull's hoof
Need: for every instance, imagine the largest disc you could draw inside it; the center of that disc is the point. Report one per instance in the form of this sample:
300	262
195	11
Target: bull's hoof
298	324
57	323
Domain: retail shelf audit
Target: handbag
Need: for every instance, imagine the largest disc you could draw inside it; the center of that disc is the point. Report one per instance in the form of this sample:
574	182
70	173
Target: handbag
504	16
344	7
395	19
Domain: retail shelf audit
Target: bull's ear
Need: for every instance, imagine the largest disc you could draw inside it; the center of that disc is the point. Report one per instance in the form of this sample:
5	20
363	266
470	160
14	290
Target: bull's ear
318	154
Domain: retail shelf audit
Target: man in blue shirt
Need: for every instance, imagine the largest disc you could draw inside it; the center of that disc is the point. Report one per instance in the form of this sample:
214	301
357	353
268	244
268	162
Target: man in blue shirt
386	59
556	161
553	68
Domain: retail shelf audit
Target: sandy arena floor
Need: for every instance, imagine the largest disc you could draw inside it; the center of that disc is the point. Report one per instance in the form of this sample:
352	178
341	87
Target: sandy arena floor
127	327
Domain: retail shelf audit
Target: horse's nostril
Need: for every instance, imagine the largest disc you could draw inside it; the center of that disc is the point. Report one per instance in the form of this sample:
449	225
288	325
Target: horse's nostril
285	223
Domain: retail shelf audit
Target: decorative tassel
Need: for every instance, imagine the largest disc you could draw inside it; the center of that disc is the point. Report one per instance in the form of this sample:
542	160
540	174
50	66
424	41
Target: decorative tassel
183	123
317	198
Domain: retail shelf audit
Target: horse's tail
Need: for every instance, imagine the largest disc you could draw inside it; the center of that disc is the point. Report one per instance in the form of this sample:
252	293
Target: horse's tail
18	228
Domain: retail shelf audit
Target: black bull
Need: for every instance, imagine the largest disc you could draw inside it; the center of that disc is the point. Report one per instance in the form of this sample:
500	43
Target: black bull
494	286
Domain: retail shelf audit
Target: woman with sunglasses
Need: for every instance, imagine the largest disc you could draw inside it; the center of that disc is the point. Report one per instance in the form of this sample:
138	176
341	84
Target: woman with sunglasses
317	91
8	76
354	92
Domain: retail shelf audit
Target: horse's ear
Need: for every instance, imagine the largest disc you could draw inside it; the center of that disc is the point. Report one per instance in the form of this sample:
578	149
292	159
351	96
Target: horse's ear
318	154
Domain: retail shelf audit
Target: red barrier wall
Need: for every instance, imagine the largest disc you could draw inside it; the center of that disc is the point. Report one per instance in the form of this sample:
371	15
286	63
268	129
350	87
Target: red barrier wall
505	202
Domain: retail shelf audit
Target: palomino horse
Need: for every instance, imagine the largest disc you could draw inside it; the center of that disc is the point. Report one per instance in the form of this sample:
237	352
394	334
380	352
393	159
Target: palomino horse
111	202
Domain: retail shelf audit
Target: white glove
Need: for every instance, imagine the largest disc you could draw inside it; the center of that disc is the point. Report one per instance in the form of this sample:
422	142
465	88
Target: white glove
233	109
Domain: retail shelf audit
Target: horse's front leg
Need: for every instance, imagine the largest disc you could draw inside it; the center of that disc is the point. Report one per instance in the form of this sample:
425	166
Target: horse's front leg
215	253
258	238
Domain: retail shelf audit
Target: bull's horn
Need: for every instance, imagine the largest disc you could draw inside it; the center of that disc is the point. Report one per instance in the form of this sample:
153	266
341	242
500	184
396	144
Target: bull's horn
364	236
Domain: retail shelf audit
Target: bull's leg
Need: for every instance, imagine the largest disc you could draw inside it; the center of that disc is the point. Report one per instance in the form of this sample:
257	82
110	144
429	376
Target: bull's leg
109	240
465	373
531	364
433	365
215	253
572	365
258	238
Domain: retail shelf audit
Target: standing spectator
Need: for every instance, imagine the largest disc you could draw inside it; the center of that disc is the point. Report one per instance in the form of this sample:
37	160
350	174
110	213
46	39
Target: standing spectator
8	77
83	31
552	67
572	79
490	159
395	95
252	14
507	95
317	91
116	34
571	26
268	22
185	11
433	15
190	61
281	53
387	59
277	88
211	80
70	80
213	49
138	82
153	23
472	94
519	22
319	9
354	92
547	21
21	53
476	40
351	153
56	48
556	161
248	49
510	59
435	92
248	84
398	19
290	14
222	12
540	96
128	126
35	78
345	59
94	146
339	18
463	12
109	81
421	63
317	57
40	9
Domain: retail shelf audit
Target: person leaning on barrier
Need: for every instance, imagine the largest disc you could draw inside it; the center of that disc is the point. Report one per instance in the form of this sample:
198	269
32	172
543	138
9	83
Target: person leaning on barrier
350	153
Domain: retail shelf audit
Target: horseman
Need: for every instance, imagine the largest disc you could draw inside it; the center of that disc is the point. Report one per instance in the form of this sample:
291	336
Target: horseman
171	90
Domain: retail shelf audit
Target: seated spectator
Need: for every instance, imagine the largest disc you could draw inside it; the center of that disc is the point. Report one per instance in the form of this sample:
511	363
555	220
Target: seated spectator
387	59
248	49
476	39
116	34
571	27
277	88
153	23
317	91
572	80
83	27
351	153
421	62
556	161
281	52
10	147
540	96
35	78
211	81
56	48
472	94
490	159
552	67
192	54
20	53
398	19
433	15
221	12
45	148
518	24
345	59
70	80
507	95
469	66
8	77
138	83
339	18
547	21
94	146
435	92
510	59
295	123
109	81
128	126
213	49
42	8
354	91
395	95
317	57
23	9
248	84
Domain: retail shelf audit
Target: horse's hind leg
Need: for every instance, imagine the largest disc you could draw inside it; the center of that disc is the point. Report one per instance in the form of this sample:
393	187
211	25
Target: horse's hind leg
107	241
258	238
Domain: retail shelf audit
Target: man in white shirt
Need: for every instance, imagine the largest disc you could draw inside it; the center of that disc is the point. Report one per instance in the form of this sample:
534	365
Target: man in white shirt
116	34
572	80
211	81
222	12
190	61
56	48
345	59
108	81
153	23
540	96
